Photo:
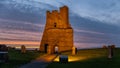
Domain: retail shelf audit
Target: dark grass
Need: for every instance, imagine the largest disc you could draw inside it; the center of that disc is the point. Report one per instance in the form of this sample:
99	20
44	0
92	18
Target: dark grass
97	59
17	58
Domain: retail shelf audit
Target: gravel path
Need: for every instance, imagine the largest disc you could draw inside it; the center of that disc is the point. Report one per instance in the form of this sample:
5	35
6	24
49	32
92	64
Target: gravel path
40	62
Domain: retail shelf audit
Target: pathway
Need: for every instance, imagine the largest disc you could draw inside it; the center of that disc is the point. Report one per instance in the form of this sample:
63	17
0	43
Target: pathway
40	62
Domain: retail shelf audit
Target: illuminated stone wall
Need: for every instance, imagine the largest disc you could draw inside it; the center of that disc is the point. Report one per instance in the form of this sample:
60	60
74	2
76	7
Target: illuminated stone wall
58	31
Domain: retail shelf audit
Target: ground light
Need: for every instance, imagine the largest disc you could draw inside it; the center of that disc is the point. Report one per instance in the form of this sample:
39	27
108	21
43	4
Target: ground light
71	59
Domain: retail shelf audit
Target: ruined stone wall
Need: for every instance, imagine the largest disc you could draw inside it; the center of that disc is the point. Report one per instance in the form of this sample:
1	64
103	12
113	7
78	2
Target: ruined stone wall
58	18
58	31
63	38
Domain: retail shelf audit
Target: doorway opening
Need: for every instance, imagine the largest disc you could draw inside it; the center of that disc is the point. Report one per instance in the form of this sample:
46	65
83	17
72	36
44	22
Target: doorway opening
56	49
45	48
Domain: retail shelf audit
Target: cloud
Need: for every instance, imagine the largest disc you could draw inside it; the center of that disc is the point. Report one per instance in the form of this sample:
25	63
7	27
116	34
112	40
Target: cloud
94	22
86	31
104	11
21	25
17	44
10	34
20	30
23	22
31	6
88	45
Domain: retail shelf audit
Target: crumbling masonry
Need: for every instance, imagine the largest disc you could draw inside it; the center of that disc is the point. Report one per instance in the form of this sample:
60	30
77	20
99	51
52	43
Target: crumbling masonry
58	32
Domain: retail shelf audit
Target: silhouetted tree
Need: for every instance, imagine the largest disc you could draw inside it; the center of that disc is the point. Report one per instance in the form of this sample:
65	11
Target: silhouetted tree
3	47
104	46
113	46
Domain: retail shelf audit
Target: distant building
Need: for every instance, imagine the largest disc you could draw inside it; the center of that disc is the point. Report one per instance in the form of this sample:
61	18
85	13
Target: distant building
58	32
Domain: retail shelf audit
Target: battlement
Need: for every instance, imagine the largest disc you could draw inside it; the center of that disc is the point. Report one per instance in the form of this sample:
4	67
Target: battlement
60	17
64	8
55	11
48	11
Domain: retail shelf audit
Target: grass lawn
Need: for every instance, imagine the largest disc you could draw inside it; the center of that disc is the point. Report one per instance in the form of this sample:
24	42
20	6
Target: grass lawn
17	58
90	58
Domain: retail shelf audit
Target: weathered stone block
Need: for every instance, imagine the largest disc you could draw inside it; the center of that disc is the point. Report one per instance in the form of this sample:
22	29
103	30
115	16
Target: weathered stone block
74	50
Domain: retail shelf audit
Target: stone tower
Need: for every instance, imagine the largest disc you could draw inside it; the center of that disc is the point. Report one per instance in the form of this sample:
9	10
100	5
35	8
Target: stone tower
58	32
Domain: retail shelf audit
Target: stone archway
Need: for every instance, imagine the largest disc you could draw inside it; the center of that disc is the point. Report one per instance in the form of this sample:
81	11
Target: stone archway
55	49
45	48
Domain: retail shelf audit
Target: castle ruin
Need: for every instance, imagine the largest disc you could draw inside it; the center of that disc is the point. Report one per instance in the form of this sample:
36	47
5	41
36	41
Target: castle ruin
58	32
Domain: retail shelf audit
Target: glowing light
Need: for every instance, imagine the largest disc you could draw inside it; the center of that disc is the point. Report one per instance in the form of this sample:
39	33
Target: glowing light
46	58
72	58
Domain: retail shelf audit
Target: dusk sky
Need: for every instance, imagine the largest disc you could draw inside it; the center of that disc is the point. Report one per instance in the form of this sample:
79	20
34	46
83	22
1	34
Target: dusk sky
95	22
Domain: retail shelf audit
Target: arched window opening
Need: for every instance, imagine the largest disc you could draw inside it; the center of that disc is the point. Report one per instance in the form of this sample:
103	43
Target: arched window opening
55	25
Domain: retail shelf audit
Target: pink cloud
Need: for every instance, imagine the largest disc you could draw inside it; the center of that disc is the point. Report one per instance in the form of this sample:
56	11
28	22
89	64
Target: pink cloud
19	34
23	22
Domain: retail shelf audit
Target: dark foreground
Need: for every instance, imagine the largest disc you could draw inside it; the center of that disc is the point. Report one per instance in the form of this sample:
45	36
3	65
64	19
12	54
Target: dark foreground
17	59
91	58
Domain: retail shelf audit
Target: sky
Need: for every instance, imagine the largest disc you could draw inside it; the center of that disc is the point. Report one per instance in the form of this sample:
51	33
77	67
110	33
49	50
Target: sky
95	22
